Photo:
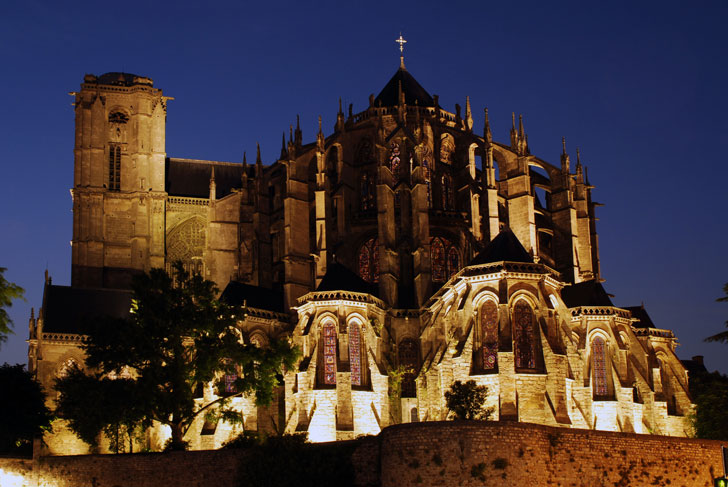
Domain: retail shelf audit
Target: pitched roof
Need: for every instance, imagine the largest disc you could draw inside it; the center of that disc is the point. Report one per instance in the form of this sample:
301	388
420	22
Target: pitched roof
587	293
239	293
191	178
340	278
66	308
504	247
413	91
640	313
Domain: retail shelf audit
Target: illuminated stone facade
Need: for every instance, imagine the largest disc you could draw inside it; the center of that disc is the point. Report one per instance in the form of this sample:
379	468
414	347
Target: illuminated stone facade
401	245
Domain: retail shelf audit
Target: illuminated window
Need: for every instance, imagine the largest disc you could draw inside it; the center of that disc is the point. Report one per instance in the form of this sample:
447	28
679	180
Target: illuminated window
523	338
369	260
355	354
229	383
329	339
428	181
599	364
114	167
409	358
368	201
489	334
445	259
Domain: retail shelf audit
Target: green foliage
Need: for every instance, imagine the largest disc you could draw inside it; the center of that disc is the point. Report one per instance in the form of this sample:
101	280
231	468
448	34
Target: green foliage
465	400
710	394
22	409
8	292
722	336
94	404
177	337
281	461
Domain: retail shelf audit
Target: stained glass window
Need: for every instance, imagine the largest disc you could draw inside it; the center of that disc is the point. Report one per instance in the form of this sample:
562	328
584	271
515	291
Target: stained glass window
367	192
329	353
408	358
446	192
523	335
355	353
599	363
114	167
229	381
437	251
368	259
453	261
394	162
489	333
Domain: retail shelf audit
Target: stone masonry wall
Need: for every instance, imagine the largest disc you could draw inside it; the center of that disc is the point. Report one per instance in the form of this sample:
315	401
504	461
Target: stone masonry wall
446	454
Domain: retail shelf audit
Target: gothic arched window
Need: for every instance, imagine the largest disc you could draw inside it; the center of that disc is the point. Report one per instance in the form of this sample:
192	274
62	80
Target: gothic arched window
428	181
409	358
523	336
355	353
114	168
446	192
489	334
368	259
445	259
364	153
599	366
395	162
368	200
447	147
186	243
329	343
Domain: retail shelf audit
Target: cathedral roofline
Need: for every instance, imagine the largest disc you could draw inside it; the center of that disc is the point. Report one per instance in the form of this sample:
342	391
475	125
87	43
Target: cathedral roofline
403	83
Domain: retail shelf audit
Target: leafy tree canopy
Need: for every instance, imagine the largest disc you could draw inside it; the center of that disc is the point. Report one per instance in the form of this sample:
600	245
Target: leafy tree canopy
466	400
178	337
22	409
8	292
710	394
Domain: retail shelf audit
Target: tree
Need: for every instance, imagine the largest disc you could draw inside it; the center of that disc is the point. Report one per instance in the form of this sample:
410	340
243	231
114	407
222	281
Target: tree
8	292
179	337
710	394
465	401
722	336
22	409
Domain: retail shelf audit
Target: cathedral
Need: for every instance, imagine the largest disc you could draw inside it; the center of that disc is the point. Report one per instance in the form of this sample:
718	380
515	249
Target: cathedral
401	252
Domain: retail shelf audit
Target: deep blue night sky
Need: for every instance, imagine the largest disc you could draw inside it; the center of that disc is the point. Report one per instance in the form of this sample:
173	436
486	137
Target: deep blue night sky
639	87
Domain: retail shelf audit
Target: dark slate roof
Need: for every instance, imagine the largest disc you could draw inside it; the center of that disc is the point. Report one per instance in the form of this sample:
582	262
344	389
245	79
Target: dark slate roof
185	177
640	313
413	91
587	293
239	293
340	278
504	247
66	308
122	79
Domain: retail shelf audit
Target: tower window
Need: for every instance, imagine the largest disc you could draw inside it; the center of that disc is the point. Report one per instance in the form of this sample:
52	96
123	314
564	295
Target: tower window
114	167
369	260
523	336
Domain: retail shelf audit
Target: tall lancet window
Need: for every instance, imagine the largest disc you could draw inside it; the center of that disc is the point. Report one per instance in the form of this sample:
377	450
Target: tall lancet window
523	336
395	162
355	354
447	203
599	366
489	334
453	261
368	259
114	167
409	358
367	192
329	339
428	181
445	259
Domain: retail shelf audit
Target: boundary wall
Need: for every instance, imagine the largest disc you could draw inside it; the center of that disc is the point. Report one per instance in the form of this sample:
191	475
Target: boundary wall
443	454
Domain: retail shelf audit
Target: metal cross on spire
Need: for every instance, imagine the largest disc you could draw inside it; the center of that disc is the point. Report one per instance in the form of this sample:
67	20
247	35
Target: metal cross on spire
401	43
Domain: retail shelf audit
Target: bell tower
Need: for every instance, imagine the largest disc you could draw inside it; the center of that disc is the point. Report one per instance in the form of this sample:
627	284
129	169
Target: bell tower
118	184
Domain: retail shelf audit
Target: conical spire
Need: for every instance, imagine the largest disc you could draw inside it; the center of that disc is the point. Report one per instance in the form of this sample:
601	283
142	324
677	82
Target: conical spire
564	157
468	114
298	140
320	137
579	171
514	134
258	161
244	176
284	151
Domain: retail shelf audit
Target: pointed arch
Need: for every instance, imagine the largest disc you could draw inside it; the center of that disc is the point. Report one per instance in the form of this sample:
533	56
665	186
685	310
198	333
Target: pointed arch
524	340
329	346
453	261
437	251
367	196
447	203
355	353
186	242
395	162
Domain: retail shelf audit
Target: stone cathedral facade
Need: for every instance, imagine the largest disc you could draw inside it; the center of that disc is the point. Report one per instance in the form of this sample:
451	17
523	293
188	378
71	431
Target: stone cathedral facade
401	244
